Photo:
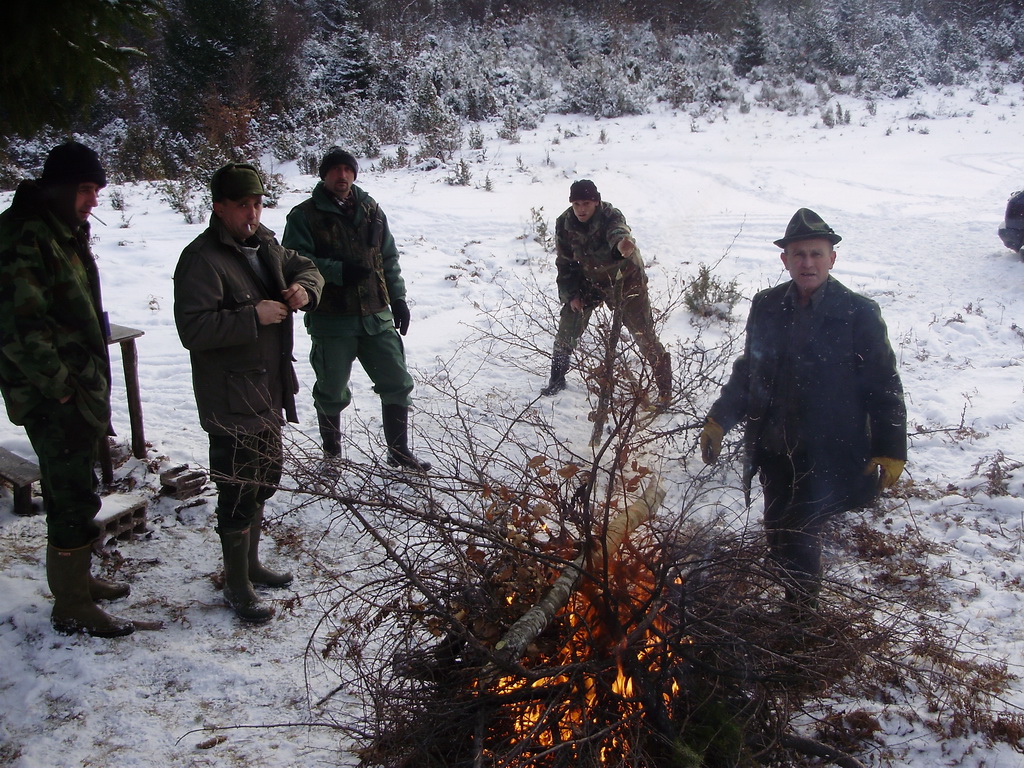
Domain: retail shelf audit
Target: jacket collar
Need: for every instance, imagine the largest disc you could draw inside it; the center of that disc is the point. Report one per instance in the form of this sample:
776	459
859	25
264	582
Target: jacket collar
31	200
325	201
262	237
833	302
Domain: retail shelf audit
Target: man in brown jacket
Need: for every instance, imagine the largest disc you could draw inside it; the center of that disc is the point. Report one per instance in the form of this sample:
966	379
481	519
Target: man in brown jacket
235	289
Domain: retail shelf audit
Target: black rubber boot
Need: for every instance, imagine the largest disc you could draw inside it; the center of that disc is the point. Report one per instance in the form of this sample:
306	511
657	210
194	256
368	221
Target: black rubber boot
559	367
259	574
396	435
330	433
74	611
238	589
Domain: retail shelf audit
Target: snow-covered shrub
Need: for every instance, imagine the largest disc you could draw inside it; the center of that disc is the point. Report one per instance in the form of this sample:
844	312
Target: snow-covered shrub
596	87
509	130
697	72
186	197
460	175
708	296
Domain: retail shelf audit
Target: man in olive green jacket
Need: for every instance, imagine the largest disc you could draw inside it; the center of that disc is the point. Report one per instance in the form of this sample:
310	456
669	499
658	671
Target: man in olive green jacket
235	289
55	373
363	311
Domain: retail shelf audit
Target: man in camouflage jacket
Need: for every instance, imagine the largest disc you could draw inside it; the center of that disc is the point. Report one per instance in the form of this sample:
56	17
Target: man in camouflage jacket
598	263
363	311
55	372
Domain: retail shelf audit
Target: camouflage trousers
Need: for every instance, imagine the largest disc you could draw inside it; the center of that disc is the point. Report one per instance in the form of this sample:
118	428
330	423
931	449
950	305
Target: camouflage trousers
637	317
247	470
67	447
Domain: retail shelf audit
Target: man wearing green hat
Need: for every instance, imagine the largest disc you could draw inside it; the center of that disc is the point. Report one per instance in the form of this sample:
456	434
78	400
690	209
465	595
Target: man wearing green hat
817	385
235	289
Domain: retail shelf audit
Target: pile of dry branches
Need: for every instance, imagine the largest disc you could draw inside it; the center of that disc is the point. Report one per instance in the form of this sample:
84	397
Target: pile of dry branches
655	634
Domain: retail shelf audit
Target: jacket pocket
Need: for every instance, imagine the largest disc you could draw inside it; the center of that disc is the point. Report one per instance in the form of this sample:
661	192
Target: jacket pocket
248	392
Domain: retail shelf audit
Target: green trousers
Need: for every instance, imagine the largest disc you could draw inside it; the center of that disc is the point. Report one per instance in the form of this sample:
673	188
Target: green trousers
66	446
381	355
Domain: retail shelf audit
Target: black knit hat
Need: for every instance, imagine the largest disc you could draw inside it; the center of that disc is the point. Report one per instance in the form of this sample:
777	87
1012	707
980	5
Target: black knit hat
584	189
235	181
338	156
73	163
804	225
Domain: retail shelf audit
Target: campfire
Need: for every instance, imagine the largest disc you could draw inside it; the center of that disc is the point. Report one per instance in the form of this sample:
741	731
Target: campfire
528	610
641	652
598	673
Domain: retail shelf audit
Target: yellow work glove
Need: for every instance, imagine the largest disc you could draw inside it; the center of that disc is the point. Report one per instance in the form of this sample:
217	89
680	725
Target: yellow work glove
711	440
890	470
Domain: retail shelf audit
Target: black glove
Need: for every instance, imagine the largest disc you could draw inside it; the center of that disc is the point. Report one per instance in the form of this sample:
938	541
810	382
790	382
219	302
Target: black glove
352	272
401	312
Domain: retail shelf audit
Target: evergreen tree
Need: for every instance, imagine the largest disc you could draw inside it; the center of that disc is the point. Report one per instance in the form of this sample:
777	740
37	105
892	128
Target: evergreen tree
750	52
345	65
59	53
225	55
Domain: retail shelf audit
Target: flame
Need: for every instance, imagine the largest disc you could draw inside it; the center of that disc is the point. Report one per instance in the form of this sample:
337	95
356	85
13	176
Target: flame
559	709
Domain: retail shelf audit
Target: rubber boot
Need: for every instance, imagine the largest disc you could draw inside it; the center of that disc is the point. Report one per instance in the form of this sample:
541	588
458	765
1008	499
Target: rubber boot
238	591
330	433
101	589
559	367
74	611
396	435
259	574
663	378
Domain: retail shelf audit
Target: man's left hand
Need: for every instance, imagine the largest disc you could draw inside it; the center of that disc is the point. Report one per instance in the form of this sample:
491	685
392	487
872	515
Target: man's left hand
402	316
626	247
295	296
889	470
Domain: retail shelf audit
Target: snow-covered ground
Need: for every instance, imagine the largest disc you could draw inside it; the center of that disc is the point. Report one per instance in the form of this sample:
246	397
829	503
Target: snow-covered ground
916	188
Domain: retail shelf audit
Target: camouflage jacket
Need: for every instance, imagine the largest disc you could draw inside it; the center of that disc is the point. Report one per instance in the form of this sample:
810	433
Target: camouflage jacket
587	255
53	342
318	229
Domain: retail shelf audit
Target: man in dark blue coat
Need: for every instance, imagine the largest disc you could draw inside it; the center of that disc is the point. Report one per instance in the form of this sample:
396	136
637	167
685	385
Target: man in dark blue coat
826	425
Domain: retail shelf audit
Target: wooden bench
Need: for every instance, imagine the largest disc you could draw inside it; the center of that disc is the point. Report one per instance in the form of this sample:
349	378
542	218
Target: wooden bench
125	336
20	473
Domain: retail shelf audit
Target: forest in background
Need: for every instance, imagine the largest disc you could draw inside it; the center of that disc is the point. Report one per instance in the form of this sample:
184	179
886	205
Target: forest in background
282	80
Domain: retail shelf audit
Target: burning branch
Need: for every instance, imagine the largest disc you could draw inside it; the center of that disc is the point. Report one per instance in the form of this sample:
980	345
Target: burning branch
511	647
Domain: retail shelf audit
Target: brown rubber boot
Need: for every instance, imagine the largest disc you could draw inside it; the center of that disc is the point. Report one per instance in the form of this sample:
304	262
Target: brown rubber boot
238	591
663	378
74	611
101	589
259	574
